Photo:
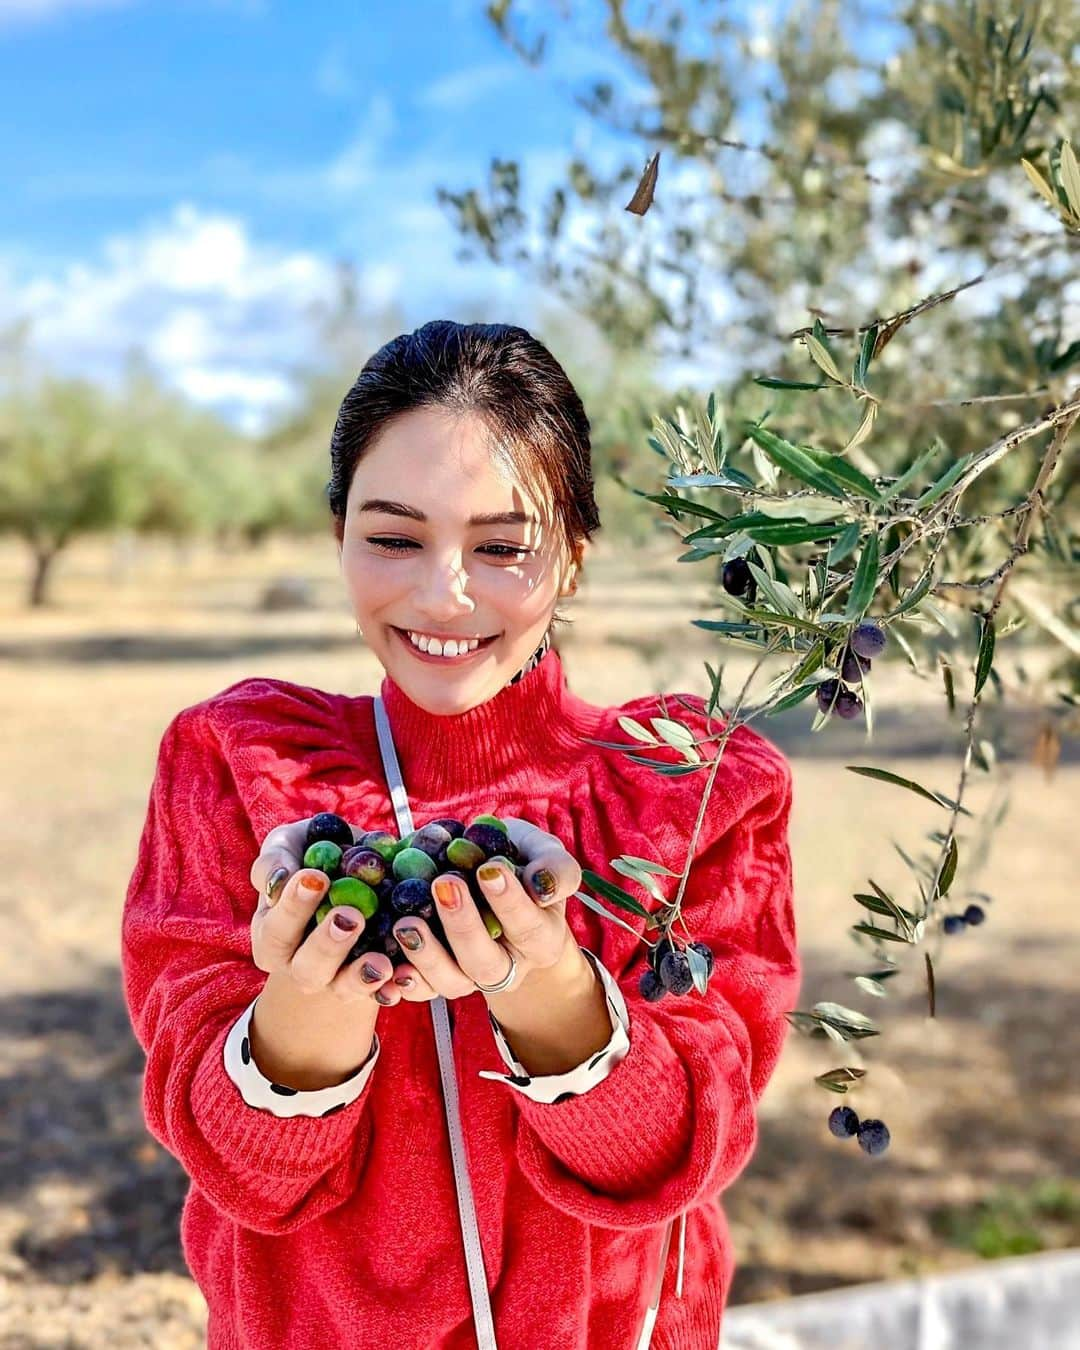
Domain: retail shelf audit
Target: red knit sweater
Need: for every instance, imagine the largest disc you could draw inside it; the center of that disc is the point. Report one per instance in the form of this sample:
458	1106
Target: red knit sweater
343	1231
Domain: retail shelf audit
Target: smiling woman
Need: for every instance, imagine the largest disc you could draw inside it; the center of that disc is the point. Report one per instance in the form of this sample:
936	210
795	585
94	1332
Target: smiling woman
491	439
284	1069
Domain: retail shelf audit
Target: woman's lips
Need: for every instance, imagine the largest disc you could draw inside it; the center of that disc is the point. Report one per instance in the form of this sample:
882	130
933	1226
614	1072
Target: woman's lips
442	660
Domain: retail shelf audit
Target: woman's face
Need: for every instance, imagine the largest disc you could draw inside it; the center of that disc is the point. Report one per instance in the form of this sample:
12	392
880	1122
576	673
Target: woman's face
433	571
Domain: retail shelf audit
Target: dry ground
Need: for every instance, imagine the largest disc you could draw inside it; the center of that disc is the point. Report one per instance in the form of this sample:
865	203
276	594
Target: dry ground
981	1098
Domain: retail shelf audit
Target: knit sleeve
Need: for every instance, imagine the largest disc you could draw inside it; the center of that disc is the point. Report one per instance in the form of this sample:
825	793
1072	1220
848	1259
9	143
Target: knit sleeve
583	1077
674	1122
188	975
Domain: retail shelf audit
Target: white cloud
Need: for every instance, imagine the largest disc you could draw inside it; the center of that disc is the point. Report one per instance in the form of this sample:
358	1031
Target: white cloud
28	11
333	76
469	85
220	315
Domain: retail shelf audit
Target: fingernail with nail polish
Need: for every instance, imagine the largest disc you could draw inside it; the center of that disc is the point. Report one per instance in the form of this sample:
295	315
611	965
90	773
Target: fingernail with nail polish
410	938
544	884
493	877
370	973
446	893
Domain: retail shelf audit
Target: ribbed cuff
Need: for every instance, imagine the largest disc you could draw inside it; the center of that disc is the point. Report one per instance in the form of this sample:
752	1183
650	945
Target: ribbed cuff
632	1127
297	1147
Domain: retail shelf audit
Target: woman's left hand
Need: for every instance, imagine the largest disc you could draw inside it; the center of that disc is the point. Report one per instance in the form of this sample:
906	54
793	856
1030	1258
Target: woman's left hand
535	930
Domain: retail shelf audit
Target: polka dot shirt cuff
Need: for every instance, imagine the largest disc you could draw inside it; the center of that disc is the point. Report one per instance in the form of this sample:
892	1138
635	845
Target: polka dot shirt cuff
258	1091
556	1087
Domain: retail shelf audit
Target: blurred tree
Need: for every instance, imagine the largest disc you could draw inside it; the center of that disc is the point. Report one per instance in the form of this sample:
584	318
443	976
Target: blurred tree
911	201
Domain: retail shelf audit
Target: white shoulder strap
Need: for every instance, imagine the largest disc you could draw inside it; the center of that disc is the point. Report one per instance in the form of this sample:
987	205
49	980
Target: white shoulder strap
474	1256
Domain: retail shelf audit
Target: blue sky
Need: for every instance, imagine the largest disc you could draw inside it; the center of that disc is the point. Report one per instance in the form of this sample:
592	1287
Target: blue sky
183	176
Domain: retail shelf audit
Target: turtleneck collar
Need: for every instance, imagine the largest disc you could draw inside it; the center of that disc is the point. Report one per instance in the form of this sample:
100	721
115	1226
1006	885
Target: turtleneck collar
533	722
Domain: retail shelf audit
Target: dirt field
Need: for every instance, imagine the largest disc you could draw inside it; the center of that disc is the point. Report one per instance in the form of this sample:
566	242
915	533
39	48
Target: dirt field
982	1101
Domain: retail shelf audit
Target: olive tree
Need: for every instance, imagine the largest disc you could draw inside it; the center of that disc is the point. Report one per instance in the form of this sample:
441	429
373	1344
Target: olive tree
886	478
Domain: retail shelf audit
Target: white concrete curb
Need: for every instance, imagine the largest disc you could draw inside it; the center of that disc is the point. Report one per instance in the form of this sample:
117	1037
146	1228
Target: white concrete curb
1028	1301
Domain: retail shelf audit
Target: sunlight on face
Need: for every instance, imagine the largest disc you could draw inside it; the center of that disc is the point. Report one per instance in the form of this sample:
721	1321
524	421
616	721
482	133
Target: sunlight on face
443	575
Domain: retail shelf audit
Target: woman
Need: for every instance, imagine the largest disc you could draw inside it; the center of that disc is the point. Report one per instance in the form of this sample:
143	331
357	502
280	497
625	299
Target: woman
322	1209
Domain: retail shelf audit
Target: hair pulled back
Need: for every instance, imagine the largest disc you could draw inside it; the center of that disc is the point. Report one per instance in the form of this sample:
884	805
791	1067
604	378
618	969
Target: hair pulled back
535	422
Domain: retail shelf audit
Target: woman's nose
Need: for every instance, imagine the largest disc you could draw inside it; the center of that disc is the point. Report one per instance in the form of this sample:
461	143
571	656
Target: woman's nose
447	583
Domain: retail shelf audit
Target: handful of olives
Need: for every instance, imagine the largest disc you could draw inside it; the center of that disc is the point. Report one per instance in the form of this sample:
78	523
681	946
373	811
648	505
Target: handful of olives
387	878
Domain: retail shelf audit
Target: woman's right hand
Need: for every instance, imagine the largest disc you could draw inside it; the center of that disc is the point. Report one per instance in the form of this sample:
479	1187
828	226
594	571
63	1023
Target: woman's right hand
313	964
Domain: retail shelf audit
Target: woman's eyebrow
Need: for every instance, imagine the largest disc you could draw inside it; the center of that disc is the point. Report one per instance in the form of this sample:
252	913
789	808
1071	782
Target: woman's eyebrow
491	518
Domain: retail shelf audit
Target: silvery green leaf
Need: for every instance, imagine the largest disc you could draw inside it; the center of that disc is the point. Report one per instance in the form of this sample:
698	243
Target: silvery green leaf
783	597
699	969
913	471
595	905
984	755
673	732
986	654
836	1012
691	480
614	893
833	1033
871	771
626	869
870	986
1070	176
905	647
947	479
766	469
843	545
635	729
801	509
648	865
864	582
882	934
822	357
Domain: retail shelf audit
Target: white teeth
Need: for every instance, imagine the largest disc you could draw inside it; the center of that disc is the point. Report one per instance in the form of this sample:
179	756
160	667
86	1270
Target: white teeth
436	648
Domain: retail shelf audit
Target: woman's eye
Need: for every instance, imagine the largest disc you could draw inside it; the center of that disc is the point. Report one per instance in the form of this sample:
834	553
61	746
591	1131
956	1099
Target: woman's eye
408	545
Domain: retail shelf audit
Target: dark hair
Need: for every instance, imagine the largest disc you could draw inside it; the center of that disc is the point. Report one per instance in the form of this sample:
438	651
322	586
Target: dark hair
536	423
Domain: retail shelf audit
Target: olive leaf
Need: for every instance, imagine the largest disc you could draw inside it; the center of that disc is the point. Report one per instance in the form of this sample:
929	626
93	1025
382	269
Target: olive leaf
635	729
783	597
913	472
949	870
648	865
837	1080
823	357
883	934
887	777
839	467
699	969
947	479
616	894
772	382
598	908
791	533
795	461
627	869
864	582
674	733
986	653
844	545
871	986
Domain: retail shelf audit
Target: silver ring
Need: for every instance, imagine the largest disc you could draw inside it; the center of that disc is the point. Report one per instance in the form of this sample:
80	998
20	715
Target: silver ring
506	981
